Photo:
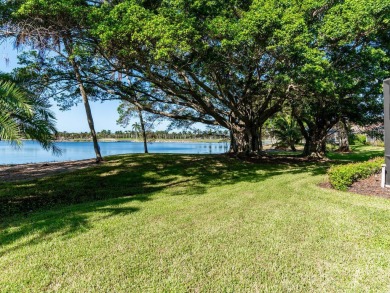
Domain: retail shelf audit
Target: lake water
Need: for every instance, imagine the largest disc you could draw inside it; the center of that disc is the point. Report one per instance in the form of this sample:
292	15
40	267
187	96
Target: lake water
32	152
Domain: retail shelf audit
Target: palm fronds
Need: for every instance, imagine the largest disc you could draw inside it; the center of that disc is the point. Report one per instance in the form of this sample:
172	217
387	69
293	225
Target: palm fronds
286	132
25	115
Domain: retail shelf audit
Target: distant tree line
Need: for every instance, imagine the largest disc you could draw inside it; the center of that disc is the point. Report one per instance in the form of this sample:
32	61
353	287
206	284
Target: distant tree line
152	135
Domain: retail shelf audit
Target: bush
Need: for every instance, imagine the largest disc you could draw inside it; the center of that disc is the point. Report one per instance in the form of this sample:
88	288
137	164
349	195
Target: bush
341	177
357	139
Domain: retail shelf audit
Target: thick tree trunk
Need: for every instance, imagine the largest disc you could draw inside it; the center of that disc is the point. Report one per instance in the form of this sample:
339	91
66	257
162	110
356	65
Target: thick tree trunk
88	111
314	148
254	138
315	140
141	120
315	145
233	145
246	141
343	136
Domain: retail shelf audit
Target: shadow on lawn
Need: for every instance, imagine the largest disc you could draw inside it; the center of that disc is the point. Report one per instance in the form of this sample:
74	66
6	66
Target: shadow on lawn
65	222
67	199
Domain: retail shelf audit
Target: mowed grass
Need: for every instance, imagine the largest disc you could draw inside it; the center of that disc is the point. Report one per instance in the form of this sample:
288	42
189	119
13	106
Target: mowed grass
358	153
180	223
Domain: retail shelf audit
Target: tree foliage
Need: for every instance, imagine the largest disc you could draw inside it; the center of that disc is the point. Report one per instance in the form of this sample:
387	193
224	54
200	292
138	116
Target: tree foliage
59	28
235	64
214	62
286	132
228	63
24	115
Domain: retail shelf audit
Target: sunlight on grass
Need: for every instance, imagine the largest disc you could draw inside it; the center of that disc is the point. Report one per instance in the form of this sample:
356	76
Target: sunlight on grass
358	153
110	173
192	223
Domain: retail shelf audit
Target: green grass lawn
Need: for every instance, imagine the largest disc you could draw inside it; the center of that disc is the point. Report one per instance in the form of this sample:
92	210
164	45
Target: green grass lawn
358	153
179	223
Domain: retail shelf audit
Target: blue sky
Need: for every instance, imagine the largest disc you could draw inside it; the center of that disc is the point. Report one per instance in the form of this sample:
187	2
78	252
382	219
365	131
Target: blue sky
74	120
104	114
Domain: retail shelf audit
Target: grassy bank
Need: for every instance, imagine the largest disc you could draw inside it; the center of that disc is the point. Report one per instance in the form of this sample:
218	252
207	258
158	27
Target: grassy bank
192	223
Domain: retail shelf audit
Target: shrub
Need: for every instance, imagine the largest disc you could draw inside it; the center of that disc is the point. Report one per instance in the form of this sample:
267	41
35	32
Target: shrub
357	139
341	177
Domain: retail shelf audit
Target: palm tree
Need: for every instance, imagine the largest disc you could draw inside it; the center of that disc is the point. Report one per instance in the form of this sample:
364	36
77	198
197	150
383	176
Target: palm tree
50	29
136	128
127	111
25	116
286	132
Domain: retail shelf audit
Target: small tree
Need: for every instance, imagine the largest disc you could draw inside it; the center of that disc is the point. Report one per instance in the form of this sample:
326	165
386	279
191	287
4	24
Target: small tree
127	111
286	132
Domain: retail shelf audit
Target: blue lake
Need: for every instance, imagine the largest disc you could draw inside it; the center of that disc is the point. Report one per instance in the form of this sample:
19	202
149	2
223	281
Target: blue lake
32	152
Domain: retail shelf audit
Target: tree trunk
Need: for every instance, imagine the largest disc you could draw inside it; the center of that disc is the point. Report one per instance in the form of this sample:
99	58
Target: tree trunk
88	111
254	135
315	140
141	120
292	147
233	145
315	145
260	141
314	148
84	96
343	136
245	141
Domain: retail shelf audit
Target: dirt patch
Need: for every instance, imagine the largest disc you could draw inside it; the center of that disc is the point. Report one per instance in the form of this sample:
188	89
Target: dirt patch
325	185
33	171
370	186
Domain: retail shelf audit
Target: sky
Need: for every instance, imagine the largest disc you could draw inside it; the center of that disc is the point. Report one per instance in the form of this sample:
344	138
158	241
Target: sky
74	120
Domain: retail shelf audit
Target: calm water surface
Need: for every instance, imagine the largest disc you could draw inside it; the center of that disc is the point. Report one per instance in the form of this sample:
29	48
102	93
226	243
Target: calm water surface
32	152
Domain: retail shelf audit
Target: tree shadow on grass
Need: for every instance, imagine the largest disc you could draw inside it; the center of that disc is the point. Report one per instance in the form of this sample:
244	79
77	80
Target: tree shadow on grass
65	222
62	203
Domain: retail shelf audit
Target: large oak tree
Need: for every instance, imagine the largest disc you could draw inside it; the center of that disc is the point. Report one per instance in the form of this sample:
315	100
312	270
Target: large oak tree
224	63
235	63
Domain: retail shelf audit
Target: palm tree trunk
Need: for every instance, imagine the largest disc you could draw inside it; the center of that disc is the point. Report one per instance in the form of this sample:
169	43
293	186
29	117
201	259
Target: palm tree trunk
76	70
141	120
88	111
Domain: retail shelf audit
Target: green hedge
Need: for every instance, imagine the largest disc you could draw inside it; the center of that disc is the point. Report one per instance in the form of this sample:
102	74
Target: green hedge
341	177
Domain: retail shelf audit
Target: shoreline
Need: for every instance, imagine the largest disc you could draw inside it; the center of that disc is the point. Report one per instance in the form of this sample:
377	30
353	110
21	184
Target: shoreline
31	171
